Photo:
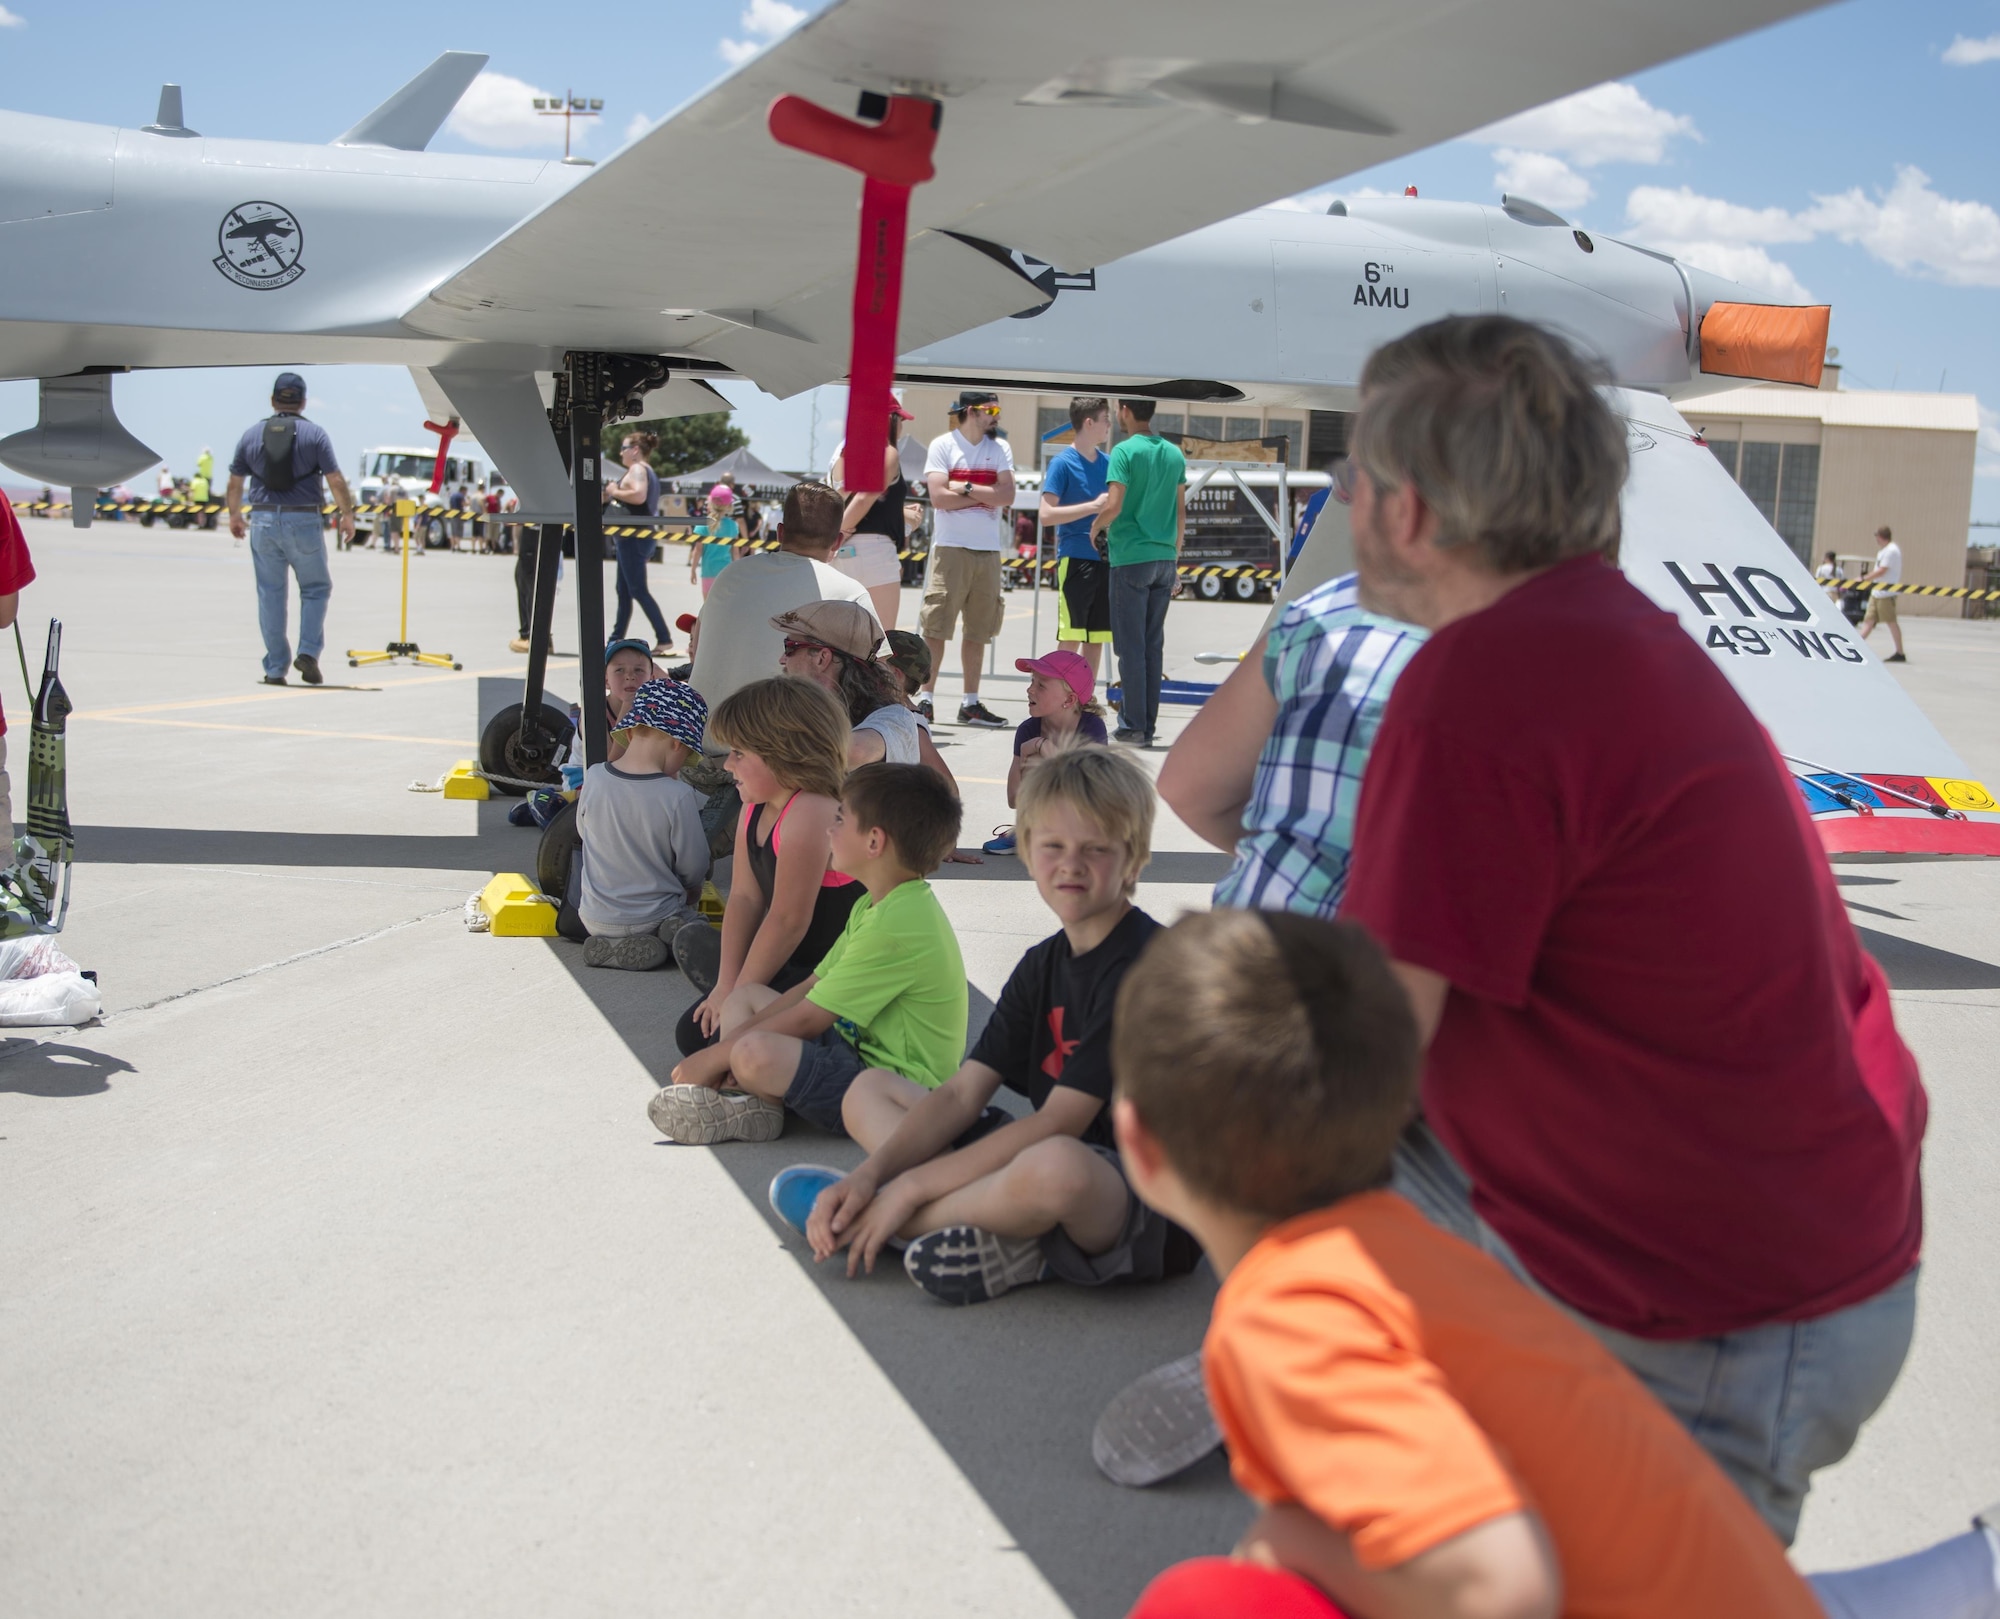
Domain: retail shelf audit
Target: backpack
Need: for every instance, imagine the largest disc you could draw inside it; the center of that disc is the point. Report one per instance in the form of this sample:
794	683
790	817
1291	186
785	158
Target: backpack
280	440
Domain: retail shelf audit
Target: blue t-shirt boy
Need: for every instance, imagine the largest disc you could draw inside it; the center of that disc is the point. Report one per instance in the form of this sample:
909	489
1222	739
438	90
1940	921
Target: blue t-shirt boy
1074	480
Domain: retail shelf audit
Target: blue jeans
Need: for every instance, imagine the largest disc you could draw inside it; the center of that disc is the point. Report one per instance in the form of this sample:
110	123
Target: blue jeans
1140	592
1770	1404
289	537
633	555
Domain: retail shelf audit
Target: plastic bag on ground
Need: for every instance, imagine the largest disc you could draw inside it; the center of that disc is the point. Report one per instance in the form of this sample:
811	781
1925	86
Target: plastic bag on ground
40	986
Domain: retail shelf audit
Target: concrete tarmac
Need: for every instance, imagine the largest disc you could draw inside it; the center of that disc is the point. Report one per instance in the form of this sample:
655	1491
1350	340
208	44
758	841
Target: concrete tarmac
343	1272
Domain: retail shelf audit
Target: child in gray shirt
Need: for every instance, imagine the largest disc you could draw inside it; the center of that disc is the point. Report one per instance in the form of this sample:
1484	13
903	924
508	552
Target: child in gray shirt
644	854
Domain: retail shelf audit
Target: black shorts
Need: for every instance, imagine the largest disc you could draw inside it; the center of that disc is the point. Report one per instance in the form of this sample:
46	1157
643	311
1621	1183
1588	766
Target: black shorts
820	1083
1149	1248
1083	599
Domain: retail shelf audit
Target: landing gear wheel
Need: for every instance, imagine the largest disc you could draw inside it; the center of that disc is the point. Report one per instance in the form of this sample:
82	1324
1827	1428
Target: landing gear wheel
509	748
1245	587
556	853
1209	588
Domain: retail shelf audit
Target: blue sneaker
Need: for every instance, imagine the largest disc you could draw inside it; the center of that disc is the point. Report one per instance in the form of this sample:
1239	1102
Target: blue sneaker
1002	841
794	1191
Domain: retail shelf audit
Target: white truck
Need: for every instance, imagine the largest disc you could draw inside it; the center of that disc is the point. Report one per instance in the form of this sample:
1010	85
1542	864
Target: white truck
401	471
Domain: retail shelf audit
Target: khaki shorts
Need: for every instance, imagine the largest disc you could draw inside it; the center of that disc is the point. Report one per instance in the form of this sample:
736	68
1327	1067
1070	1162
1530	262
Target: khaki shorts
1881	608
965	582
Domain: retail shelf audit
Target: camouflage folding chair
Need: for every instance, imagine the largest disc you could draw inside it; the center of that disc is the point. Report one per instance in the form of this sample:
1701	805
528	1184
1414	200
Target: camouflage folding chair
34	890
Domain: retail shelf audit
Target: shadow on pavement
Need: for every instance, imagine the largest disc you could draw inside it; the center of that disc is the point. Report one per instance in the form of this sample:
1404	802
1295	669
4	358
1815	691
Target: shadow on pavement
1910	965
1009	1389
496	847
42	1068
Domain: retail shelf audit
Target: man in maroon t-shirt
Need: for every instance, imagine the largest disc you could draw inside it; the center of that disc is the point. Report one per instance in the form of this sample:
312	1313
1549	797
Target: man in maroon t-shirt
17	571
1656	1049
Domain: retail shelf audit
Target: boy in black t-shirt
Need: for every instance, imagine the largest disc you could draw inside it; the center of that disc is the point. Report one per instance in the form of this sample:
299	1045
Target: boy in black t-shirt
986	1203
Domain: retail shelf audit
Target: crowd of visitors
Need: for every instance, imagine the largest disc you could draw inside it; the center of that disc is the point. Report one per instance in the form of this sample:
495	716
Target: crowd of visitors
1563	1235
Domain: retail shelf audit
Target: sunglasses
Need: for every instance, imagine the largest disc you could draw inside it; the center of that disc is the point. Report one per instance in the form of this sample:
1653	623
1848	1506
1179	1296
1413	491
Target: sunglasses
793	648
1343	480
983	410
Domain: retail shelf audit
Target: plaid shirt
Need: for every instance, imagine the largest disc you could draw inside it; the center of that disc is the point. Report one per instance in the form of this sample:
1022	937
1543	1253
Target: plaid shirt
1331	664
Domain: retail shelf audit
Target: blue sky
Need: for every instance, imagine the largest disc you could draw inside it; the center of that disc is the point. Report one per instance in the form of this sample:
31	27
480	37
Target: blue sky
1848	155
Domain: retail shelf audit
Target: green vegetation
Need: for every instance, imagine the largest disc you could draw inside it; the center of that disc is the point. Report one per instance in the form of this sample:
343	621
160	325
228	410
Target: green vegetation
686	442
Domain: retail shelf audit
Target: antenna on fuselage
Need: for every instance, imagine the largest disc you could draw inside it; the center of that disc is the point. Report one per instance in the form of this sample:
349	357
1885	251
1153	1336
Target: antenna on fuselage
167	121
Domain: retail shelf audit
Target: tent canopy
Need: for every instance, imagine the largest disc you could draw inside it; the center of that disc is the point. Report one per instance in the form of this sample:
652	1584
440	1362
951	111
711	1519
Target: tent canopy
745	468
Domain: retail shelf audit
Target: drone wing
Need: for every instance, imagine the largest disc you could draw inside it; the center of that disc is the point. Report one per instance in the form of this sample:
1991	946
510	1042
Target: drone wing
707	239
1875	772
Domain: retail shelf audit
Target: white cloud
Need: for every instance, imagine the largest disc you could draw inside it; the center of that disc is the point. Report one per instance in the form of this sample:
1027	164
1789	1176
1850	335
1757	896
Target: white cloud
1541	177
9	20
1610	123
1317	202
1915	230
639	125
1723	238
764	20
1963	52
1658	213
498	110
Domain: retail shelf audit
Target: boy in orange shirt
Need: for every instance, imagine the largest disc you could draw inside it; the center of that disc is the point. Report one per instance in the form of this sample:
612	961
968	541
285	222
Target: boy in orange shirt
1425	1435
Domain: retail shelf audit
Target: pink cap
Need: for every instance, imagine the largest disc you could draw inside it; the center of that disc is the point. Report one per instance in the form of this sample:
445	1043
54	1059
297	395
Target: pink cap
1068	667
722	495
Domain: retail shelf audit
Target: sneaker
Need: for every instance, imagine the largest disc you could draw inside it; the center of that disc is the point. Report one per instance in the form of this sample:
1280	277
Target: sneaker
308	668
1895	657
634	953
924	709
274	680
963	1264
1002	841
1156	1426
974	712
696	1116
698	950
794	1191
518	644
1131	738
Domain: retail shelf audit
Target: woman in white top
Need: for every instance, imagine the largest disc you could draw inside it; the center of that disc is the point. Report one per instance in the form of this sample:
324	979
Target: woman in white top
872	527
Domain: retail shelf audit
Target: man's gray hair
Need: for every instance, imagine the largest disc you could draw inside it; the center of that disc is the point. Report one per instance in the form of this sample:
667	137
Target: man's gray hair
1498	426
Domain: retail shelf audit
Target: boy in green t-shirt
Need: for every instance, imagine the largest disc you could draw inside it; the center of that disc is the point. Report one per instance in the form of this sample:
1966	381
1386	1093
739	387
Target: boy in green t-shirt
890	994
1143	523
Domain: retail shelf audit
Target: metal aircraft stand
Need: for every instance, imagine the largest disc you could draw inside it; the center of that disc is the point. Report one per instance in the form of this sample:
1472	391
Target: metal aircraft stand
1277	517
591	390
404	649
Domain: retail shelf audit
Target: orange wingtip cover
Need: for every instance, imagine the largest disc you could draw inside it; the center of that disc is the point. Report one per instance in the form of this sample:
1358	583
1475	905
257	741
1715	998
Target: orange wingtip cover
1765	342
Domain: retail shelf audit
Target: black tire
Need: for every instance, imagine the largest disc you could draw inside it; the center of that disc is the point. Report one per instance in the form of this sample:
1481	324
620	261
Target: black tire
556	853
503	751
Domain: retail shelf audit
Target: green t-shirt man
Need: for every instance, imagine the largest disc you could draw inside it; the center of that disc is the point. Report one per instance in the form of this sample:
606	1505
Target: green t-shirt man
895	984
1147	526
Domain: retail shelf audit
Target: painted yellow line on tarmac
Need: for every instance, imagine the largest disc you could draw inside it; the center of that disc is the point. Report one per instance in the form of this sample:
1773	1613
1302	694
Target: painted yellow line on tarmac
281	730
280	694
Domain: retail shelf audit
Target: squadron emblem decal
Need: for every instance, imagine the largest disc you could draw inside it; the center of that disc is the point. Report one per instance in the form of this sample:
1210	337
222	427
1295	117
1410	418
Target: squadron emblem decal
260	244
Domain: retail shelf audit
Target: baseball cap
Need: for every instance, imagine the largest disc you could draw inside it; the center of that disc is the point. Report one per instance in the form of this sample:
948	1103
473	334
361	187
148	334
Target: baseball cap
613	648
1068	667
970	397
667	705
722	495
896	409
289	386
845	626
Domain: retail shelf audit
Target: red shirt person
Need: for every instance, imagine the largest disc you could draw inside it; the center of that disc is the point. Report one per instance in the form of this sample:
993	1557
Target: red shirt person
1657	1050
17	571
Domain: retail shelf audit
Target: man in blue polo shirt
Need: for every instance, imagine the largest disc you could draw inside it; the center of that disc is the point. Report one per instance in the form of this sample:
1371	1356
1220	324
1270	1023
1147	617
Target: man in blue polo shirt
284	458
1073	492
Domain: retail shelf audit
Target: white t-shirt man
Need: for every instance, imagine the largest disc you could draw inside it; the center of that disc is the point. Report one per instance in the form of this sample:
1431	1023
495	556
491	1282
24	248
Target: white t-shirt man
971	528
1889	558
738	644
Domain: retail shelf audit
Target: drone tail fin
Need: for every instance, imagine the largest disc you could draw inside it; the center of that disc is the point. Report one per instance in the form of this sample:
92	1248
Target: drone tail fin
409	118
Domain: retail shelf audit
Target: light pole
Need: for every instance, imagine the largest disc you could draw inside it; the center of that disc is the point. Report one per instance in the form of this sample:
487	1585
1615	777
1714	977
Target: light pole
568	107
